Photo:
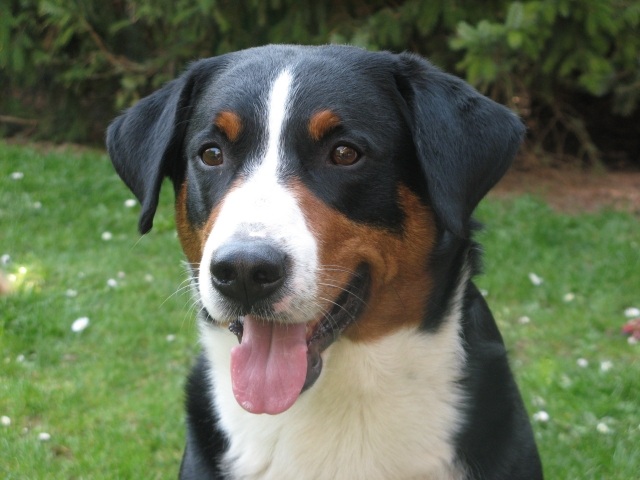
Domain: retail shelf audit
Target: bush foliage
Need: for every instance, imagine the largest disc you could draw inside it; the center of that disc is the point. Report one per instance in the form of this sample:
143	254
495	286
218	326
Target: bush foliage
570	67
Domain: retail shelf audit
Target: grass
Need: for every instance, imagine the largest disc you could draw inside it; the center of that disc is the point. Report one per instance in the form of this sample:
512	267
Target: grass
110	397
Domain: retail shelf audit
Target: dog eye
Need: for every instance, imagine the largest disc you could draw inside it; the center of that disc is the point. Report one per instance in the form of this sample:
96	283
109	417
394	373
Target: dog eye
343	155
211	156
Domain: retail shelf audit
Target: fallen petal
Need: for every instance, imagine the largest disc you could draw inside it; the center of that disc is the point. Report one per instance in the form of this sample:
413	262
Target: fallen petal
606	365
541	416
80	324
632	312
535	279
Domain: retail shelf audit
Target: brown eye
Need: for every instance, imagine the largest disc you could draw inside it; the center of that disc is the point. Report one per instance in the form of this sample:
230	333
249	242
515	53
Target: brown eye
343	155
211	156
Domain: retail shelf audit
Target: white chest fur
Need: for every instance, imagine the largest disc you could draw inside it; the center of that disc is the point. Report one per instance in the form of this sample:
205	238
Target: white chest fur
383	410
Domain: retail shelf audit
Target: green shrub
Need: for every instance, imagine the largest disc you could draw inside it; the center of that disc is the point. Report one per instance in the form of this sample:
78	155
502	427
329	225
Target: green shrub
567	66
546	51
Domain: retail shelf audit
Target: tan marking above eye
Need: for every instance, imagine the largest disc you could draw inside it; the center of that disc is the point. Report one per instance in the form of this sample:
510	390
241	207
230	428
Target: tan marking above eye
230	124
321	123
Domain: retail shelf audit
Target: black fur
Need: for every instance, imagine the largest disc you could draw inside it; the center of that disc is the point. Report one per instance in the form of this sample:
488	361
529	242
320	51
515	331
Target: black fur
417	126
205	442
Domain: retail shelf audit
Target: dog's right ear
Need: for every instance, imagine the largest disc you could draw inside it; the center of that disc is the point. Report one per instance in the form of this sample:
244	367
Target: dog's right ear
145	142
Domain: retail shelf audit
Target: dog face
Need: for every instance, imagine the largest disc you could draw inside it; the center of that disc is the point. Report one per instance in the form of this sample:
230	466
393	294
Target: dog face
313	185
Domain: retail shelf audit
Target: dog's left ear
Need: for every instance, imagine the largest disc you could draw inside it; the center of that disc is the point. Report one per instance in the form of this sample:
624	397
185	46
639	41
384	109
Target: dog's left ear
465	142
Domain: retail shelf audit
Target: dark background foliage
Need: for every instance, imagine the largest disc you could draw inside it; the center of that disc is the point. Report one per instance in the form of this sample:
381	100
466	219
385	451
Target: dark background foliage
571	68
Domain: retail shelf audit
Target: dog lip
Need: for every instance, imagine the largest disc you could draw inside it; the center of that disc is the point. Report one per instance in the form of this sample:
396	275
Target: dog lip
237	328
346	310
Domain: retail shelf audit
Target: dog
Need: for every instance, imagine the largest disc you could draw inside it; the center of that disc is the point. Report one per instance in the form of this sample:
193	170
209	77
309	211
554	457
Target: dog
324	200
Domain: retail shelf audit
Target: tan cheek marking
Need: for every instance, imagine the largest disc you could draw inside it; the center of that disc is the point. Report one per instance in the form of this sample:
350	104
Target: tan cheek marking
321	123
191	237
230	124
401	283
188	235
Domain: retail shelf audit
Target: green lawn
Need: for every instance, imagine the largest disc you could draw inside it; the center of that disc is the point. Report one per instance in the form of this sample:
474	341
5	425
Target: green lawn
110	396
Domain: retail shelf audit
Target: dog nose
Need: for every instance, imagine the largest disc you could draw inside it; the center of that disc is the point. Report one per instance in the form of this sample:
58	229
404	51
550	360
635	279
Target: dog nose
247	272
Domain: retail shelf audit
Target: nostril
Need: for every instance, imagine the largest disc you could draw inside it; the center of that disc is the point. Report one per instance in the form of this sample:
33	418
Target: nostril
224	272
267	273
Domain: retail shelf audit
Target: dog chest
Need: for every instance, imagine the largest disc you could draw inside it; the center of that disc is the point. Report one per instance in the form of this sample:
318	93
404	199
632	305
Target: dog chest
380	410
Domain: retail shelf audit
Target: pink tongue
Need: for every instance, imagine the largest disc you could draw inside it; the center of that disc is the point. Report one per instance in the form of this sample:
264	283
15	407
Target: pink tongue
269	367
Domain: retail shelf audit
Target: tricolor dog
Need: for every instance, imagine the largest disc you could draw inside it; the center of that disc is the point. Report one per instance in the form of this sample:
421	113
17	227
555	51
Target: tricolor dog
323	201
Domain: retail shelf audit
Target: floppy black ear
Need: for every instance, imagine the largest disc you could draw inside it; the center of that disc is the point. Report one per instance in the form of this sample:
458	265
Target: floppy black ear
145	142
465	141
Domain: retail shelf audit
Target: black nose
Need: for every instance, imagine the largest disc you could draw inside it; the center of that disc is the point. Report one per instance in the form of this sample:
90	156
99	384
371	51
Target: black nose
247	272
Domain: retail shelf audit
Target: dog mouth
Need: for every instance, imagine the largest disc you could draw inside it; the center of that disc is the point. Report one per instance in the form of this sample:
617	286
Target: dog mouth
275	362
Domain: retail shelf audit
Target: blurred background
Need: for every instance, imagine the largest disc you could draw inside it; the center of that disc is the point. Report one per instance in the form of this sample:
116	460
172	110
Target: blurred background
570	68
97	332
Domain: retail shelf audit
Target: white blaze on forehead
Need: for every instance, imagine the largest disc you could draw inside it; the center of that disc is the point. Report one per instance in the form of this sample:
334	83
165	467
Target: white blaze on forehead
263	208
278	102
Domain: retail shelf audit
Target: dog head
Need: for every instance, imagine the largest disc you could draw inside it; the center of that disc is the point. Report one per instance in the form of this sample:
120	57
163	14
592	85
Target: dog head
312	186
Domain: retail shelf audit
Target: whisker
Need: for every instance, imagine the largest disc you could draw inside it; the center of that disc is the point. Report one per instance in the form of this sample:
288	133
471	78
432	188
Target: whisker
181	290
338	268
361	300
341	307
